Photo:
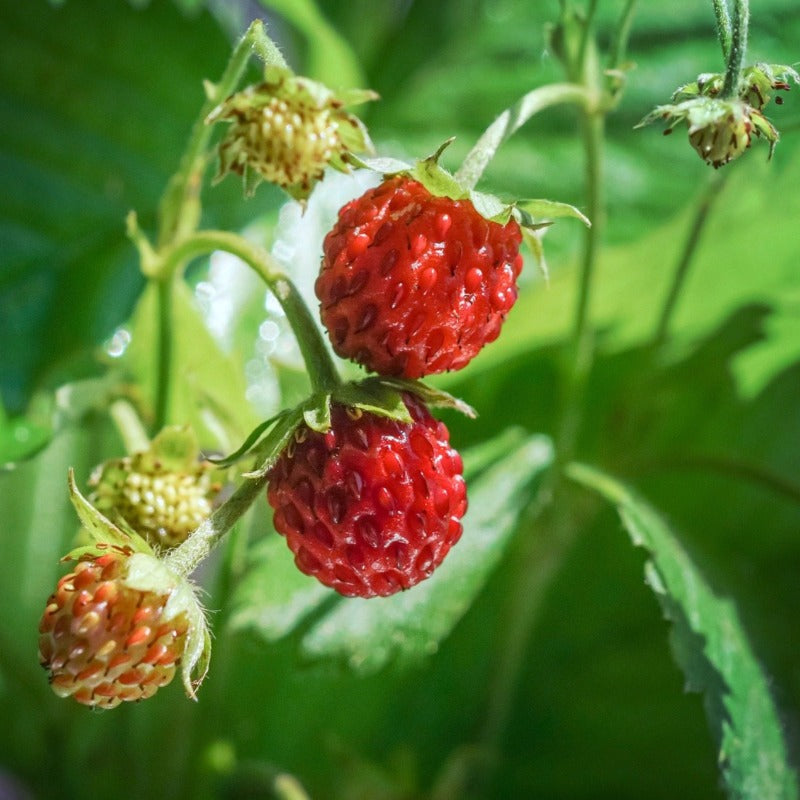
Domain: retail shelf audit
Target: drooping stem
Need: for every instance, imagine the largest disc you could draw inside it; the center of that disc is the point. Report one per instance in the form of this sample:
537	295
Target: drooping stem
187	556
723	26
129	426
711	193
619	45
738	48
593	128
179	210
164	349
320	367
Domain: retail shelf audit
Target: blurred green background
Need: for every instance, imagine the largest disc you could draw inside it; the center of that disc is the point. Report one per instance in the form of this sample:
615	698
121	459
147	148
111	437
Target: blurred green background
569	692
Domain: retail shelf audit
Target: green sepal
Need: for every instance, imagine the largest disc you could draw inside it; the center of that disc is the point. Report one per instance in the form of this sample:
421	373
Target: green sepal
317	412
100	529
546	210
249	443
532	239
430	395
441	183
276	441
147	574
381	396
373	397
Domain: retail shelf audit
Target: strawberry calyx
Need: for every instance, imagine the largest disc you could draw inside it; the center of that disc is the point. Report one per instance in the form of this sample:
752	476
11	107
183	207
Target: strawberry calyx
756	84
378	395
719	130
287	129
533	216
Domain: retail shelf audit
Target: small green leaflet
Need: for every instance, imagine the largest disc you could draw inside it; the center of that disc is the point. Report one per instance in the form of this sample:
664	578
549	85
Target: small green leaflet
711	647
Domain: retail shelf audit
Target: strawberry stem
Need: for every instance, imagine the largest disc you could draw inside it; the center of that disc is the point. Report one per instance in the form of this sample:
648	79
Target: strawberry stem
737	50
320	367
185	558
723	26
712	191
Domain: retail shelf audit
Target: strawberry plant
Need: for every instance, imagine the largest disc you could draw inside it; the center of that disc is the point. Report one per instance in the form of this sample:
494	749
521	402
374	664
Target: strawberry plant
331	416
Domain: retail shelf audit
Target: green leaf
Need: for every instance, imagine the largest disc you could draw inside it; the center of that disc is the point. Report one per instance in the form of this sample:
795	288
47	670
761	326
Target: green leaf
87	132
369	634
274	596
209	387
374	397
712	648
20	439
551	209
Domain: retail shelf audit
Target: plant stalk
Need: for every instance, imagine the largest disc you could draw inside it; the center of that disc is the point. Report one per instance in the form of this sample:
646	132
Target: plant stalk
707	200
188	555
723	26
738	48
320	367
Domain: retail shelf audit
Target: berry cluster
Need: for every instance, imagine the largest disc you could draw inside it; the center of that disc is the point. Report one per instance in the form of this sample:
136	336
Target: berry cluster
417	276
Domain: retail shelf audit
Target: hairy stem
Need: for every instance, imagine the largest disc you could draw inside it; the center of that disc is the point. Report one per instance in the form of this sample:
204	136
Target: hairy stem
320	367
738	48
179	210
723	26
187	556
707	200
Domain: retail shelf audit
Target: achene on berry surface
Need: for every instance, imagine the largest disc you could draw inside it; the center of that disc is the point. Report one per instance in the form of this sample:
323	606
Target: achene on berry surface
373	505
414	284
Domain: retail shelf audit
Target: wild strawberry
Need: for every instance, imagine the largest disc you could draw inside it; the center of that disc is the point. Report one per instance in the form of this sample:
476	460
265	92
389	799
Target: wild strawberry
373	505
104	639
163	493
286	130
719	130
413	283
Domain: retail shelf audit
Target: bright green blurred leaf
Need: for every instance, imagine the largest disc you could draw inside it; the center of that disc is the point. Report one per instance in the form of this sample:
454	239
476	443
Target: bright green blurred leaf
274	596
712	648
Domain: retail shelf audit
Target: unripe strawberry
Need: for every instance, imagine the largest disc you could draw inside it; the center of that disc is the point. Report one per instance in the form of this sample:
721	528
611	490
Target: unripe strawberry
723	137
412	283
373	505
286	131
104	639
162	506
719	130
163	493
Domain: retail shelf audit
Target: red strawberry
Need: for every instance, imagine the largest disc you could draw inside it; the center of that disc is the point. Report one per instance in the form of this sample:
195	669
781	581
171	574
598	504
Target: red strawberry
373	505
412	283
104	641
